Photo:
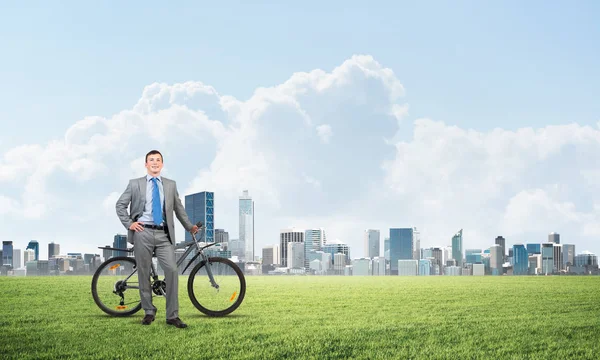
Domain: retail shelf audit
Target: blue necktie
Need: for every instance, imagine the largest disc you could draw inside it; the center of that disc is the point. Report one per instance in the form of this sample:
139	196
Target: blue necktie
156	206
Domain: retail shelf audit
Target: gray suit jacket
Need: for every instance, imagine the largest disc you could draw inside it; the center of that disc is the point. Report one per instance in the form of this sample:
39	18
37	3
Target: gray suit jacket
135	195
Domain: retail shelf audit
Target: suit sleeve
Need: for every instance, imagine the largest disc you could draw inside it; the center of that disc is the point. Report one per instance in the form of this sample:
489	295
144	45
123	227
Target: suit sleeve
180	211
122	205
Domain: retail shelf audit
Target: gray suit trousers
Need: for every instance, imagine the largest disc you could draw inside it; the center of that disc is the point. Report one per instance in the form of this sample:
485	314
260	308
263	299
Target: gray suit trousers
145	242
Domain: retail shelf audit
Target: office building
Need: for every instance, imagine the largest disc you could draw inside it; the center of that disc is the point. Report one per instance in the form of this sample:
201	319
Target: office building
520	260
334	247
457	248
287	236
568	255
416	244
533	249
53	250
478	269
35	246
7	253
496	259
554	238
547	258
270	255
201	207
379	266
314	239
295	255
401	247
372	239
425	267
246	223
558	258
502	243
17	259
119	242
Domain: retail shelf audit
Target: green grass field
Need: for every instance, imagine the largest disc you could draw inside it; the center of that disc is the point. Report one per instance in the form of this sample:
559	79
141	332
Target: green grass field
318	318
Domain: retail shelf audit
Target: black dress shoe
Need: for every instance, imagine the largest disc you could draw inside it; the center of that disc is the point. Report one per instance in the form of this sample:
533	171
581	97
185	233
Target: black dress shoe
148	319
177	322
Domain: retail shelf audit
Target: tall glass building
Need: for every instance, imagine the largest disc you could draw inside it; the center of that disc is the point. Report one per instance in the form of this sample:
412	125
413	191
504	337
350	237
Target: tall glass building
401	247
534	249
247	224
568	255
520	259
457	248
502	242
554	238
496	259
314	239
53	250
372	241
287	236
201	207
7	253
119	242
547	258
33	245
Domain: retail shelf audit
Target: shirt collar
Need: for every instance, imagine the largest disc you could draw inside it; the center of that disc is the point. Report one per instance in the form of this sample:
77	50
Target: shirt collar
149	178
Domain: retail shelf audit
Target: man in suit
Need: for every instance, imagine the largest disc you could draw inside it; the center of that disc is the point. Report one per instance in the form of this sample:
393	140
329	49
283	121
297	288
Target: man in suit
151	228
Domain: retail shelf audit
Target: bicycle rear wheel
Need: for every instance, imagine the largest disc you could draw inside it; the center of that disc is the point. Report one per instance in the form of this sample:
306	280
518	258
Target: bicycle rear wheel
220	300
115	287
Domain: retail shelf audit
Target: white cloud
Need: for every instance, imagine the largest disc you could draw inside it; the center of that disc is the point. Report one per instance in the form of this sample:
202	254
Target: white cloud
324	132
279	145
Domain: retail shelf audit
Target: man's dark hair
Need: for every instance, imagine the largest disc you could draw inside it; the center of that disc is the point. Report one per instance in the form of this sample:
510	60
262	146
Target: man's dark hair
154	152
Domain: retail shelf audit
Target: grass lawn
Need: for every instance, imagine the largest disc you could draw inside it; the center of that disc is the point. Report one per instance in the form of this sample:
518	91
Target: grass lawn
319	318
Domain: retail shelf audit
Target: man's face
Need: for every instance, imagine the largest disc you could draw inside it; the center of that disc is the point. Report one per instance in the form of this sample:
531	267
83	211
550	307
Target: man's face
154	164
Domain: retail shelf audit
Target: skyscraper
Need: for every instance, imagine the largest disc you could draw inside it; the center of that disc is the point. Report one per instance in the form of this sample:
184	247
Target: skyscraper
53	250
554	238
222	237
547	258
457	248
314	239
558	257
502	242
520	259
372	240
247	224
17	259
201	207
120	242
416	244
33	245
401	247
287	236
7	253
337	247
496	259
534	249
568	255
295	255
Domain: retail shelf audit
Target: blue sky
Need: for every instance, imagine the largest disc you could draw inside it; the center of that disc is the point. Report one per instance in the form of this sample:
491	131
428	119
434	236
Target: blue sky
473	65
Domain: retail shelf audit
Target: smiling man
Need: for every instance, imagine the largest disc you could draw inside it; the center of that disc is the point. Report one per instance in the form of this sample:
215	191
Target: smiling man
150	226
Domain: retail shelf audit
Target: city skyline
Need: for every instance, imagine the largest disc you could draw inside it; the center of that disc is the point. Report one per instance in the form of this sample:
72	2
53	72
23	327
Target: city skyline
454	125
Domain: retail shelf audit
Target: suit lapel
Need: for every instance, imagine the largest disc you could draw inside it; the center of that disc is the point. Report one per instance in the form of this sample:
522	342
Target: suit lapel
142	198
168	194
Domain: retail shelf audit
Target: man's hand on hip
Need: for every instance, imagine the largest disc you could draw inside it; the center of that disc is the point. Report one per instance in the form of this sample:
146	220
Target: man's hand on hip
136	226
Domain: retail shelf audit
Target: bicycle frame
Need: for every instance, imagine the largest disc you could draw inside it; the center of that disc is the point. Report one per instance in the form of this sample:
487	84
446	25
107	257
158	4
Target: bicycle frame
184	245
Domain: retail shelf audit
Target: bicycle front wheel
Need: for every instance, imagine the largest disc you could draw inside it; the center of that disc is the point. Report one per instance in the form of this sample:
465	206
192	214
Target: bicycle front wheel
115	287
222	297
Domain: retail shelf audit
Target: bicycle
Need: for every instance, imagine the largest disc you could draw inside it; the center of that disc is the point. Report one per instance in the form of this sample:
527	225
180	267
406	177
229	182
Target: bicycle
115	285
